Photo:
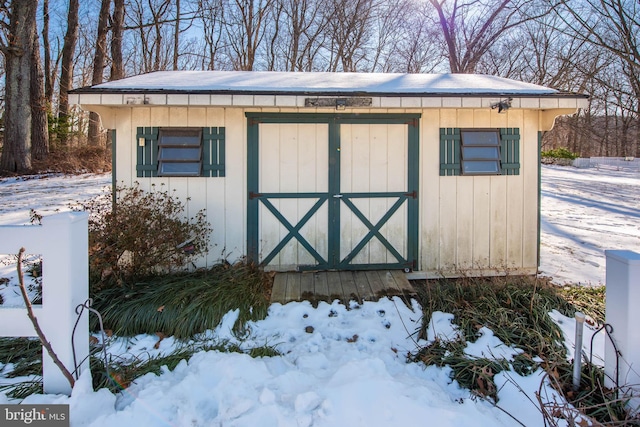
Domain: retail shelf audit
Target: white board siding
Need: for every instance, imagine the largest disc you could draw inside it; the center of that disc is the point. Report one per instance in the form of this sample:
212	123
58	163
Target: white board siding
481	221
429	195
529	171
484	223
235	182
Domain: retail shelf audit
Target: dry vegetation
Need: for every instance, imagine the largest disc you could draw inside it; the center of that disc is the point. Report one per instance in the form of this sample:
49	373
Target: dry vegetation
72	160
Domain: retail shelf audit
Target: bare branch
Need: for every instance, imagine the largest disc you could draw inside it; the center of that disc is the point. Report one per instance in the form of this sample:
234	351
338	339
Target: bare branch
34	320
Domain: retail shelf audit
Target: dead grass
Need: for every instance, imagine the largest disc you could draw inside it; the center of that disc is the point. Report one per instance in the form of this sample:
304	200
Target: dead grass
72	160
516	310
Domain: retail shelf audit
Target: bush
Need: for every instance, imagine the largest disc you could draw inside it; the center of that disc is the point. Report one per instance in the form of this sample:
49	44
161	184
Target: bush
146	234
560	153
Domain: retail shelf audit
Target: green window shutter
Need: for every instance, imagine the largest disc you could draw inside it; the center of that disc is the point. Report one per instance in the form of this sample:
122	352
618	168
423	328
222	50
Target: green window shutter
213	152
449	151
510	151
147	154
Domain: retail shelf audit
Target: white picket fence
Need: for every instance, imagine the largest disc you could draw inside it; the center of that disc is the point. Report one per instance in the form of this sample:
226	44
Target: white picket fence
62	241
612	163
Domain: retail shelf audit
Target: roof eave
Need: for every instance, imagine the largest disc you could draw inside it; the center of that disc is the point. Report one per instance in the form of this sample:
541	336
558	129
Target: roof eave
94	90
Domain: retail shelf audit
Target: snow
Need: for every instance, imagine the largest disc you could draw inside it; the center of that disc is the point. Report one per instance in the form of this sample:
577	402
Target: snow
347	365
323	82
584	213
46	194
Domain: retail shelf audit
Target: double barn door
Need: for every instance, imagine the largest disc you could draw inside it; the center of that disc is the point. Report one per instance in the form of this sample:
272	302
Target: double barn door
332	192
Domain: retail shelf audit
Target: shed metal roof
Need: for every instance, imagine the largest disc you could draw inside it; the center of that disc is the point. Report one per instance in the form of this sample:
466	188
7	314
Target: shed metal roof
323	84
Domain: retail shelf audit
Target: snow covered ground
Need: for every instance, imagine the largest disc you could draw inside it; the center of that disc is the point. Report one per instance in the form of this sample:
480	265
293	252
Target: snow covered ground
349	368
584	213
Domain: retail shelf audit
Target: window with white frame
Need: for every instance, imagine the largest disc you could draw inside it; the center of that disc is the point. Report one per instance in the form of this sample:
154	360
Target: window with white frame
480	151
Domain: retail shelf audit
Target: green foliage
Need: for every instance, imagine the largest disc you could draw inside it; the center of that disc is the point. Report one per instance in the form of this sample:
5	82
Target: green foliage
590	300
264	351
560	153
123	373
592	398
146	234
23	389
514	308
185	304
24	353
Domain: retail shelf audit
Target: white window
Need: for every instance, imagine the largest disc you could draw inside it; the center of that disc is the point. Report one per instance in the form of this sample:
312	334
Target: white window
180	152
480	151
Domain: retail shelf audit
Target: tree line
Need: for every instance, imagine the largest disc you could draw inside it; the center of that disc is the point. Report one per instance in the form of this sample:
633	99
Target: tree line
52	46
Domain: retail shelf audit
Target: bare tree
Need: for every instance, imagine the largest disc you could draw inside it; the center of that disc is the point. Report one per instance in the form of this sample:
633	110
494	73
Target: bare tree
150	18
66	77
176	37
245	30
39	105
16	154
303	33
117	29
46	48
349	27
212	30
471	27
613	25
99	61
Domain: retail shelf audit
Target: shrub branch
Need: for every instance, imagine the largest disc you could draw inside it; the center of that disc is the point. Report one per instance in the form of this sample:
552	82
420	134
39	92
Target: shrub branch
43	339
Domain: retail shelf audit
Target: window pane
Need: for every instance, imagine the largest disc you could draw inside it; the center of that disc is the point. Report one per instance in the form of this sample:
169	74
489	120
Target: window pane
179	136
480	167
179	169
179	140
480	138
172	153
179	152
480	153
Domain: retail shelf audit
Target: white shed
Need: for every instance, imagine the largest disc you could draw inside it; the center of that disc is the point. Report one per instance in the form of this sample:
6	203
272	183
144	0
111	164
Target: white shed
432	173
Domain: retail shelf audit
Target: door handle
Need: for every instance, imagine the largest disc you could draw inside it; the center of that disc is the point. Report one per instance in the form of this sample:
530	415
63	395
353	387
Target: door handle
337	196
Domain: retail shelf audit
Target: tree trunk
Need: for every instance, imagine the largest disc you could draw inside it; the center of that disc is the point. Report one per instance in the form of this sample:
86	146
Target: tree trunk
66	77
176	37
46	47
39	105
117	23
98	67
16	155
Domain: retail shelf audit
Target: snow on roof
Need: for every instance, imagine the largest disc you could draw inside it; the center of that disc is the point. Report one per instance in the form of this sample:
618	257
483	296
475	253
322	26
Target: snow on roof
325	83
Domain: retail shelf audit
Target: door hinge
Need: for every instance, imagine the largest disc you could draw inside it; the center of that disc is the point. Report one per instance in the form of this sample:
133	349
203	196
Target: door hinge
413	194
253	195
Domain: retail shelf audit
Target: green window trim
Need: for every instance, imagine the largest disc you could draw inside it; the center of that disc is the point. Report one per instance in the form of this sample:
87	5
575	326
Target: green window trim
449	151
212	145
510	151
213	152
450	147
147	153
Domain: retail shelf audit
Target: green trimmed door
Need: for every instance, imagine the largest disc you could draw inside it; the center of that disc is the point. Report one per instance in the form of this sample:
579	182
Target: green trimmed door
332	192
